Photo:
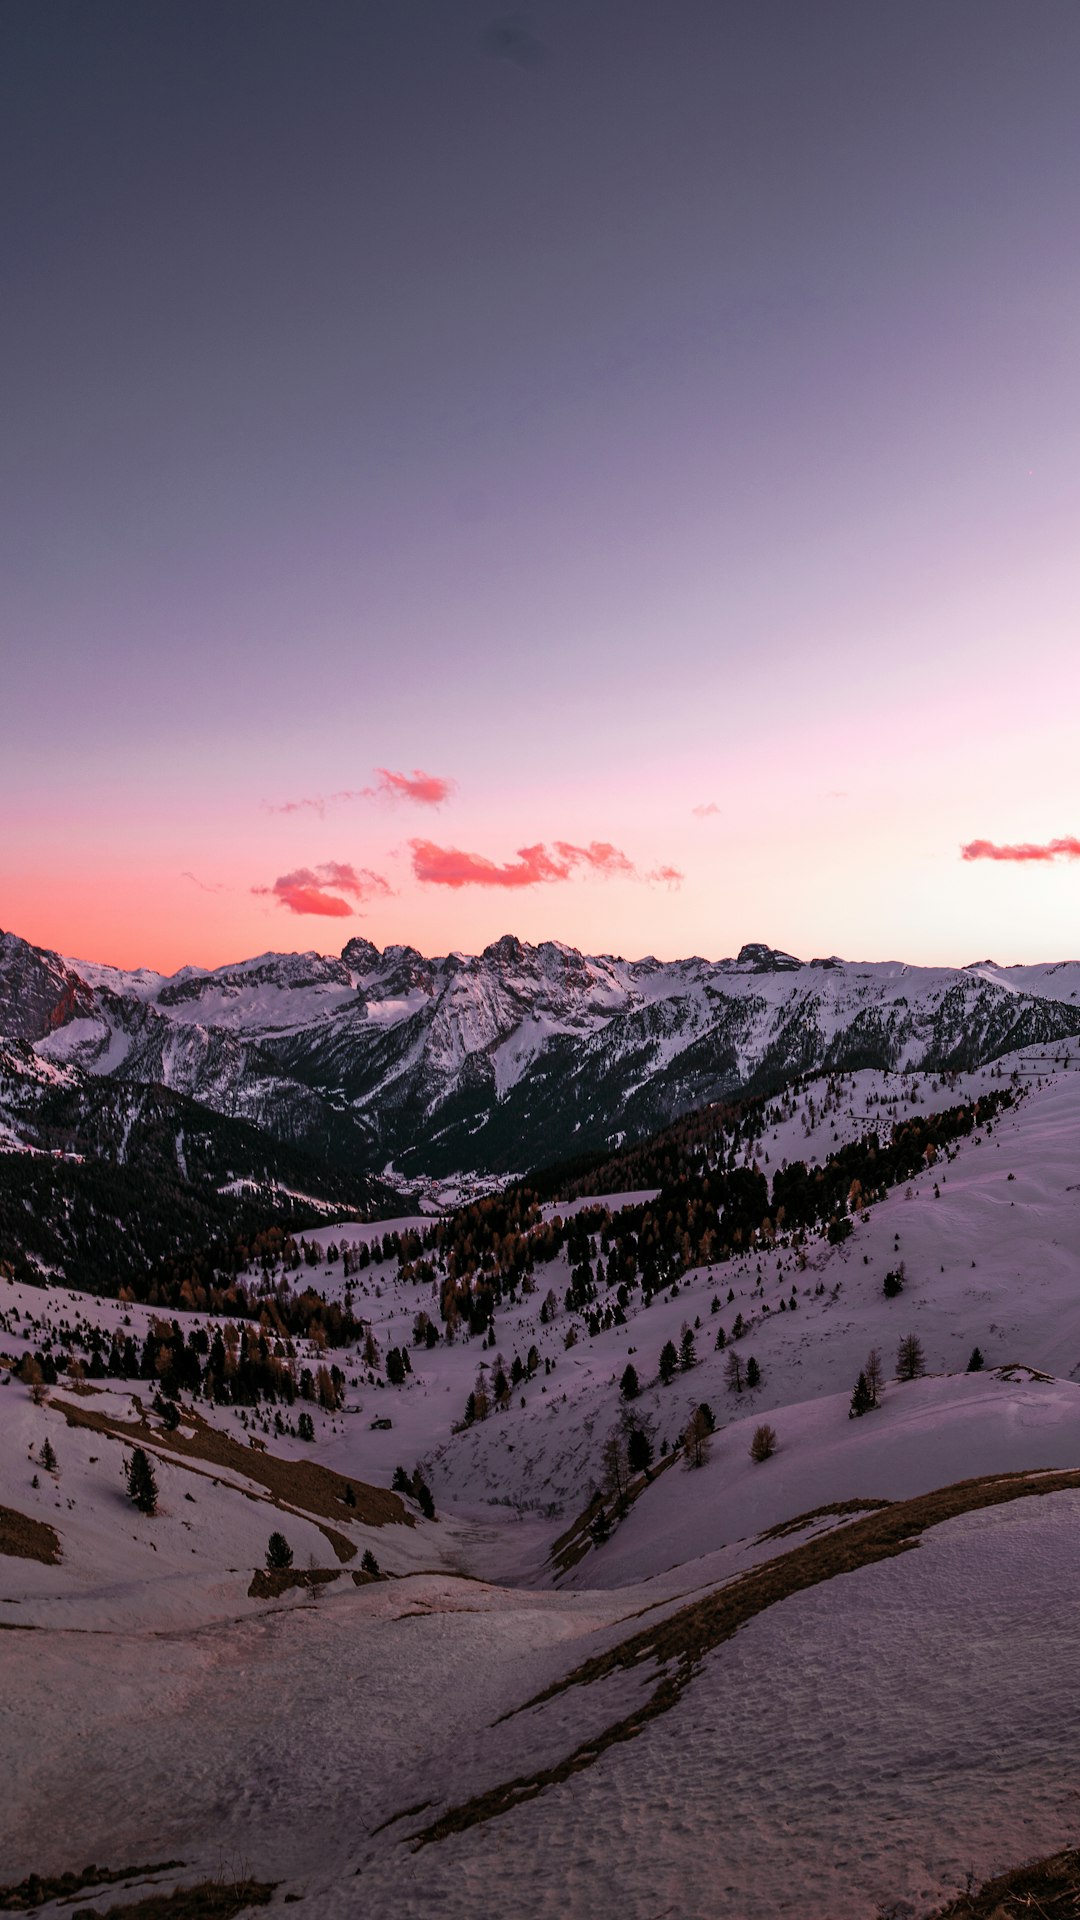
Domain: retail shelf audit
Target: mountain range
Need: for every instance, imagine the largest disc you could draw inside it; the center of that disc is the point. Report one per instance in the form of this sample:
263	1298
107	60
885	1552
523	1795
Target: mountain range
390	1066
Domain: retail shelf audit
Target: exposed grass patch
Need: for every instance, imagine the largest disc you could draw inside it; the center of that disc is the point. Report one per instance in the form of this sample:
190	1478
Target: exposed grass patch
37	1888
838	1507
1046	1889
680	1643
303	1483
576	1542
27	1539
209	1900
268	1583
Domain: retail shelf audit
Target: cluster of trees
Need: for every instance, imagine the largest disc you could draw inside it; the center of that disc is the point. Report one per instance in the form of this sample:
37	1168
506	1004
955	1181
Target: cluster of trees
233	1366
707	1209
417	1488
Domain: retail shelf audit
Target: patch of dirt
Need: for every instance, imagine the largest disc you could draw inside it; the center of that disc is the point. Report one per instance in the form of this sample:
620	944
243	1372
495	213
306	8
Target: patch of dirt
27	1539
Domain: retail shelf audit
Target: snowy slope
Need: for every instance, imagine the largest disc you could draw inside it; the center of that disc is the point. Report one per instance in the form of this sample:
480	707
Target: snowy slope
861	1741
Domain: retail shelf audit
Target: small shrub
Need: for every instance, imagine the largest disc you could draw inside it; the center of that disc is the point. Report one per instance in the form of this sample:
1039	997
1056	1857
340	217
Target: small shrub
763	1444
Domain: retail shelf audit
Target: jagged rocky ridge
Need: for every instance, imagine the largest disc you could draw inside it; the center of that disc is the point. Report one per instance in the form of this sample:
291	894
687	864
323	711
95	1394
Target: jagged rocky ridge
509	1059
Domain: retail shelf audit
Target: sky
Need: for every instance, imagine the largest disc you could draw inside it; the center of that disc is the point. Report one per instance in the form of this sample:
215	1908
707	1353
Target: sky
605	471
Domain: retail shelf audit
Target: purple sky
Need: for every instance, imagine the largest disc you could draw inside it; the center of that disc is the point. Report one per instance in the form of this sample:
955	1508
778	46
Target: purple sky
612	409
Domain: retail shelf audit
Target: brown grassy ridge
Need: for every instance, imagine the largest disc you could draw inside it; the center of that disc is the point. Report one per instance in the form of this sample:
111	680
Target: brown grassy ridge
1046	1889
38	1888
303	1487
210	1900
575	1543
680	1643
27	1539
269	1583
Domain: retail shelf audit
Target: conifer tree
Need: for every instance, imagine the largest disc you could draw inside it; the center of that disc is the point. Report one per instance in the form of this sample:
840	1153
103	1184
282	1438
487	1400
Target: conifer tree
687	1350
279	1554
976	1362
910	1362
861	1399
697	1439
47	1456
753	1374
669	1361
874	1372
639	1450
629	1385
141	1483
733	1372
763	1444
370	1564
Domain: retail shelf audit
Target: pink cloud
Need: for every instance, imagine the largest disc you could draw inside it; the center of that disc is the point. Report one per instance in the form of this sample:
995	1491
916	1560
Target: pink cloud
1065	849
534	866
425	789
315	805
666	876
307	890
706	810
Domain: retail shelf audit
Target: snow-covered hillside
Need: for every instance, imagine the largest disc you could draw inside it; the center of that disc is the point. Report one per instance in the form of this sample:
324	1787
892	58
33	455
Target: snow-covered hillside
810	1683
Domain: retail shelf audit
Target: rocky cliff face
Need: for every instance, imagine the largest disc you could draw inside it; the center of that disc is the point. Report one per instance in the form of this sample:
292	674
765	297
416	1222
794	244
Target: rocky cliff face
495	1062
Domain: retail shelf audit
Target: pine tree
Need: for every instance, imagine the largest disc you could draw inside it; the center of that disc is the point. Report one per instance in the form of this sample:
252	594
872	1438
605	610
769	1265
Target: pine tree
910	1362
861	1399
687	1350
47	1456
697	1440
279	1554
669	1361
629	1385
422	1494
639	1450
974	1365
305	1427
370	1564
141	1484
874	1372
753	1374
401	1482
733	1372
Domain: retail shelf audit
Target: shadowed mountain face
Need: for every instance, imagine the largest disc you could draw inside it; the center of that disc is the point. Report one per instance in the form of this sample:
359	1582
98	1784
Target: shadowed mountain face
515	1057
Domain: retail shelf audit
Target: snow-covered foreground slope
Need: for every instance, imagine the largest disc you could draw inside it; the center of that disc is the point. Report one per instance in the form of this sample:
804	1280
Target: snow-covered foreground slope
819	1736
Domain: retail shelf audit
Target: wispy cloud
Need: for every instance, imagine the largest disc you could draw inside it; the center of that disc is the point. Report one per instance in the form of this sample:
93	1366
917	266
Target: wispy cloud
427	789
319	890
424	789
533	866
1067	848
706	809
204	885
